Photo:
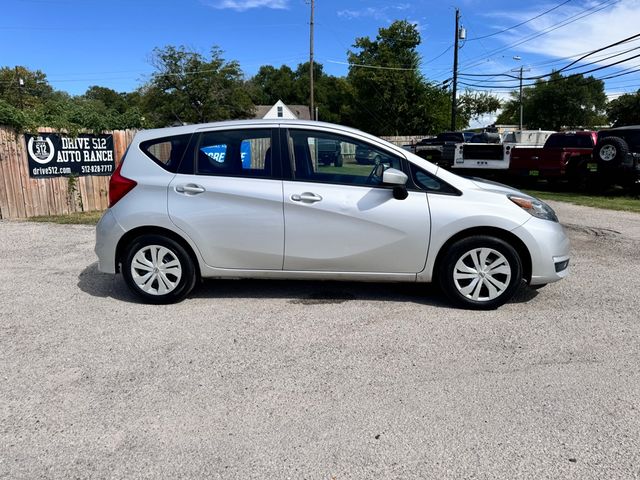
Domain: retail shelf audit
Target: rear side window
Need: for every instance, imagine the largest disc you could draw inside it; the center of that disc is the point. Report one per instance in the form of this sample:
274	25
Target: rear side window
167	151
238	153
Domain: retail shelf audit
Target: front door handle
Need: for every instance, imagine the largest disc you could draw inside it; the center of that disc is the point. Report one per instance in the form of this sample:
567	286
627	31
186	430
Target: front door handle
190	189
306	197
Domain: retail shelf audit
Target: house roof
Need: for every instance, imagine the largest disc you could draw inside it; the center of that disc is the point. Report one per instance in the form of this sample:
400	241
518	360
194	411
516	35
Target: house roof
300	111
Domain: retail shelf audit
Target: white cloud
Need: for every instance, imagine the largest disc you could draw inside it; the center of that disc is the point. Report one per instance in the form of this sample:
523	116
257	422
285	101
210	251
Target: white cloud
369	12
385	13
585	34
243	5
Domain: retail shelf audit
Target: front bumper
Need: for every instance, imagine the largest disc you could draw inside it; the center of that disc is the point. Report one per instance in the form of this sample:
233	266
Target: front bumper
548	246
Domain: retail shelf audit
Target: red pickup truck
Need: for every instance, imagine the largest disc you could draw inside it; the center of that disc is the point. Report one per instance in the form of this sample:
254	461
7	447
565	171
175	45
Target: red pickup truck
564	156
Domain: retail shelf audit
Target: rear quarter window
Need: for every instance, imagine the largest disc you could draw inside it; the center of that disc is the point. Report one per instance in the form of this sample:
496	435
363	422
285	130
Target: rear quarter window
430	183
167	151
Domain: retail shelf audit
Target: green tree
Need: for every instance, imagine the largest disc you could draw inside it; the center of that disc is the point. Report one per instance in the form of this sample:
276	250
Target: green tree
559	102
473	104
23	88
624	110
390	96
271	84
189	88
334	98
387	87
108	97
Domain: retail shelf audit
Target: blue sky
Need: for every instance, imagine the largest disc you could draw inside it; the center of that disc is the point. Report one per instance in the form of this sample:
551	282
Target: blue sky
109	42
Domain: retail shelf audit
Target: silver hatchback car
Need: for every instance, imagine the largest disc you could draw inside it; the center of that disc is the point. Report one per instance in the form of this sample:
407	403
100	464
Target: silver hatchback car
252	199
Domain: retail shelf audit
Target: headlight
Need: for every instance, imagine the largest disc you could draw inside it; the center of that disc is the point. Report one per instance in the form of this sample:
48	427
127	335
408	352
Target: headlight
535	207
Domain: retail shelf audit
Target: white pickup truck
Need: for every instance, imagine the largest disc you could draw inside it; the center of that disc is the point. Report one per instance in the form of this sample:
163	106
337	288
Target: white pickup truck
493	151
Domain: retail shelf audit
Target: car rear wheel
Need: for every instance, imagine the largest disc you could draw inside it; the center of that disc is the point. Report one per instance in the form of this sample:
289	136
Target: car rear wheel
480	272
158	269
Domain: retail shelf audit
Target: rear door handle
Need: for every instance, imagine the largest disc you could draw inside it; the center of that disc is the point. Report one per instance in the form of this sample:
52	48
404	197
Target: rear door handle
306	197
190	189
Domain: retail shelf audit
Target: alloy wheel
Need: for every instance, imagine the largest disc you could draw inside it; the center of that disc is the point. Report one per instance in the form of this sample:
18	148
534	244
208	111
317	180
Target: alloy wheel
482	274
156	270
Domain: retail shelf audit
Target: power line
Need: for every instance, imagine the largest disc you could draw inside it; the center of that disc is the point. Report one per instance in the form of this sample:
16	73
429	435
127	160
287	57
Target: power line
574	18
364	65
570	65
626	71
599	50
521	23
438	56
538	77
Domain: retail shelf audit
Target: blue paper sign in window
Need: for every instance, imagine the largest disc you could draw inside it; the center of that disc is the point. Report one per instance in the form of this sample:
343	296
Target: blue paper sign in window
217	153
245	153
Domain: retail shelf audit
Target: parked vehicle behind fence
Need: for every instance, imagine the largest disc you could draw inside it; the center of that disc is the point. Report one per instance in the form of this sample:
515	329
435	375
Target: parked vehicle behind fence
218	201
494	155
564	156
617	156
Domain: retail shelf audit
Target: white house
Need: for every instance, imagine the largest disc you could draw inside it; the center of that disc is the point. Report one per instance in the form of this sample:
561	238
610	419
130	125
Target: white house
280	110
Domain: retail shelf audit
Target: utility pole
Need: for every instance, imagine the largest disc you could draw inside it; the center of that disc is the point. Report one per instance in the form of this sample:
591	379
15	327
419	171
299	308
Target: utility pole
520	71
521	111
20	87
312	109
454	106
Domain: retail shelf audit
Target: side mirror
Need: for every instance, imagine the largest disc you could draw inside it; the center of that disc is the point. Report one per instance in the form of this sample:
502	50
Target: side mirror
398	179
400	192
392	176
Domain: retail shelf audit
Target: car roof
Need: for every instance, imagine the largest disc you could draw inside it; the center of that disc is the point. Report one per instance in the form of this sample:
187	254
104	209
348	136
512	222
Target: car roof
617	129
195	127
152	134
574	132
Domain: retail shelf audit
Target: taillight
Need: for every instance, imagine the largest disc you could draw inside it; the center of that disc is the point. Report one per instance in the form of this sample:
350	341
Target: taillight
119	186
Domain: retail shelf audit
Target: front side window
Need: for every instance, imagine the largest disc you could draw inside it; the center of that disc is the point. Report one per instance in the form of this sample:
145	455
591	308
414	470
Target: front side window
329	158
243	153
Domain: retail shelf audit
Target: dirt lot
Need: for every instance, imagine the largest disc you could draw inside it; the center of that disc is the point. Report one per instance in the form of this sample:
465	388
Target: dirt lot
257	379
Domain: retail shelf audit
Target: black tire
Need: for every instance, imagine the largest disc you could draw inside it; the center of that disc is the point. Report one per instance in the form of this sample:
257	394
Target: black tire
611	151
180	287
497	250
339	161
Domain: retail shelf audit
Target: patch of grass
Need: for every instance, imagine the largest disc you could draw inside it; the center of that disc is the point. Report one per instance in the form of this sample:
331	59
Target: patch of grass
77	218
609	202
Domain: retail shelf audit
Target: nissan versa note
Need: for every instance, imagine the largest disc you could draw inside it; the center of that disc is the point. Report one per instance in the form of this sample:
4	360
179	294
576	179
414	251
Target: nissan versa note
253	199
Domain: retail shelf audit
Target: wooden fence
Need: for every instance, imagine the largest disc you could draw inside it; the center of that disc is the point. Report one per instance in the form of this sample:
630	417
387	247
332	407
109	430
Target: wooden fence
22	196
405	139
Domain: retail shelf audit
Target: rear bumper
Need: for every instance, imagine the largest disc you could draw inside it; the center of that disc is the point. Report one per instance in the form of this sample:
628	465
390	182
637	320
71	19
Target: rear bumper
108	233
548	246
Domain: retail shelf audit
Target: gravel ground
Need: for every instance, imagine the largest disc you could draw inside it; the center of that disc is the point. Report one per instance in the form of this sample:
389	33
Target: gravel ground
269	379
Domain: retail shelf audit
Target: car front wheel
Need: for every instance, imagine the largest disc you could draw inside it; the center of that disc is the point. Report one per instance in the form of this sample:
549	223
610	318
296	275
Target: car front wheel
480	272
158	269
